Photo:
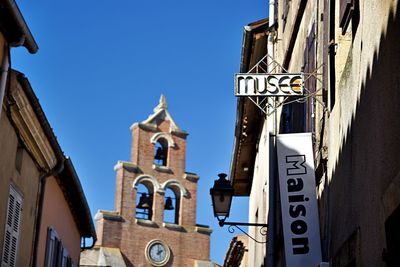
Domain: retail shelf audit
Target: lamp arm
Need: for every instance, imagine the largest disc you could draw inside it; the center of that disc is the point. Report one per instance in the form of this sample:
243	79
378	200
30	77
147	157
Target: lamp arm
223	223
263	229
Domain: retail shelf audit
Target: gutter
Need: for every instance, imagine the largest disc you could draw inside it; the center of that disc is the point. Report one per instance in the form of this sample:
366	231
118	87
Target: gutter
26	39
273	177
246	48
78	200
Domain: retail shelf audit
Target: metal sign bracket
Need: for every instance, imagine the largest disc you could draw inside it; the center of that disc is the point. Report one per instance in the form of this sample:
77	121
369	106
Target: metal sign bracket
269	105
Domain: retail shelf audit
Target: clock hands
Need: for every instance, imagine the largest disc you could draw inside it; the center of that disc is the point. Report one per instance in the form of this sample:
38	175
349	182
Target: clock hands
158	253
158	250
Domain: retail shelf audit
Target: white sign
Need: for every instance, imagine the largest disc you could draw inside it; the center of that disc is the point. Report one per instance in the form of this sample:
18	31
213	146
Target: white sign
258	84
298	200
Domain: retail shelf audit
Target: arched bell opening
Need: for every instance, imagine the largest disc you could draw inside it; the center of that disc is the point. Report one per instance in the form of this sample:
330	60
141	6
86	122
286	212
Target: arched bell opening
161	152
144	201
171	205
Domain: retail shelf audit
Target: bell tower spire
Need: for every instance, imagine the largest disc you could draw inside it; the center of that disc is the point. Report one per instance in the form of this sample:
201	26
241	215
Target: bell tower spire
162	104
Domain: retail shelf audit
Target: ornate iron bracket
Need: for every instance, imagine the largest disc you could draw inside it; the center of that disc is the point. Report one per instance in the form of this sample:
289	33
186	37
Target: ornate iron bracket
231	229
267	64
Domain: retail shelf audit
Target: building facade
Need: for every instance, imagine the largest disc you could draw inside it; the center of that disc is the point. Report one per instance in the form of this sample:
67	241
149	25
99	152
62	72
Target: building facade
154	222
347	51
44	213
13	32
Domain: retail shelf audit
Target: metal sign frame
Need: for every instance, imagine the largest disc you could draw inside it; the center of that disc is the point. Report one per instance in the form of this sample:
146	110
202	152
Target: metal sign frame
269	107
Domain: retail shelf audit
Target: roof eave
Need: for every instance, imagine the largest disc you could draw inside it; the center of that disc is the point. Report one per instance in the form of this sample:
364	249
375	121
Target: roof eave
77	200
242	185
73	188
25	37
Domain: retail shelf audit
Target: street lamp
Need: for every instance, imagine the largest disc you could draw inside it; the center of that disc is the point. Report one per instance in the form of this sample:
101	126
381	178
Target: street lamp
221	196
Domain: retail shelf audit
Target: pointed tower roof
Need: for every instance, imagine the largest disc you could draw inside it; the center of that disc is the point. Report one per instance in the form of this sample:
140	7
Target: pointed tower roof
161	112
162	104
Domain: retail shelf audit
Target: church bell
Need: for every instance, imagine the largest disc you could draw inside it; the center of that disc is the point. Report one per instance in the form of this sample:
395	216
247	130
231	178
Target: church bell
144	202
168	204
160	154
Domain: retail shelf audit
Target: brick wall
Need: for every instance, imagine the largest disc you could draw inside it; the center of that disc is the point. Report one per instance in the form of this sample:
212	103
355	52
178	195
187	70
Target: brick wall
121	228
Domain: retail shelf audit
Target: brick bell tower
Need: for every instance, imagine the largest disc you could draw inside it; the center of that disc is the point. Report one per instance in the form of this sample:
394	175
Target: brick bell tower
154	222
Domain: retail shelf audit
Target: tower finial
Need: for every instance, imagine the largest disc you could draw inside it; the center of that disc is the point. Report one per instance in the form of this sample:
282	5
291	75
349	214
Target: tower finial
162	104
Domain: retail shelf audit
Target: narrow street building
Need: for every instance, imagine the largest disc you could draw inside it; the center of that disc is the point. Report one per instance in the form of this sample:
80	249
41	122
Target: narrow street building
348	52
44	212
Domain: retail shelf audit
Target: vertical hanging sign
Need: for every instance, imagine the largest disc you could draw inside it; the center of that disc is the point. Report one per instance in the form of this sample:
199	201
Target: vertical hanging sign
298	200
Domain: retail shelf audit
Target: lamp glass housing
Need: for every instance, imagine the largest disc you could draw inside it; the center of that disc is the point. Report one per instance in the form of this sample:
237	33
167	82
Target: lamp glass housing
221	196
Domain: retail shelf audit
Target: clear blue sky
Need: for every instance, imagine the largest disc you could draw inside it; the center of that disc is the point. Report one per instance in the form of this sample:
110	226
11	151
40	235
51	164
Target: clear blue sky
102	66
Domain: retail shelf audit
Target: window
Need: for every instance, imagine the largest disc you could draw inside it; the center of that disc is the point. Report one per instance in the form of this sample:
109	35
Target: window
144	201
349	12
171	205
18	158
329	52
346	11
310	82
13	222
299	116
56	254
161	152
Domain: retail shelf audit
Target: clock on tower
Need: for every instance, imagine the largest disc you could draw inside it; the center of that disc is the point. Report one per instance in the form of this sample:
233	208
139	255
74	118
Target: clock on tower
157	253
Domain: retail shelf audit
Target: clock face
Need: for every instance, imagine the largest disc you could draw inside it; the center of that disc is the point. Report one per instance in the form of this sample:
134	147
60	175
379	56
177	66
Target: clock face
157	253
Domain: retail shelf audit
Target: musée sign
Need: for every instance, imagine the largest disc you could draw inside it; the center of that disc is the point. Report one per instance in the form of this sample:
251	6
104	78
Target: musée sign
260	84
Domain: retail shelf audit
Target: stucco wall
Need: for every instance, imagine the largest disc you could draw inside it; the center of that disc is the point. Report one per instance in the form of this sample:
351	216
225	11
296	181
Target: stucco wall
258	201
364	127
26	182
57	214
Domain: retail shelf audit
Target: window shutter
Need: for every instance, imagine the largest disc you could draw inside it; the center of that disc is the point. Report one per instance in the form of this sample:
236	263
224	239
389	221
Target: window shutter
56	254
11	236
346	11
50	248
64	262
327	41
310	83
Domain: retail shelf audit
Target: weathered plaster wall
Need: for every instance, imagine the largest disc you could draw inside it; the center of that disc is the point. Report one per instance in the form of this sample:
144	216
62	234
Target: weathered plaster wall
57	214
25	181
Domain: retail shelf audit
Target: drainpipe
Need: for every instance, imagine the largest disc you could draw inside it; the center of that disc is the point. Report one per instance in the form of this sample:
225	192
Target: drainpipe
272	173
4	73
39	206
